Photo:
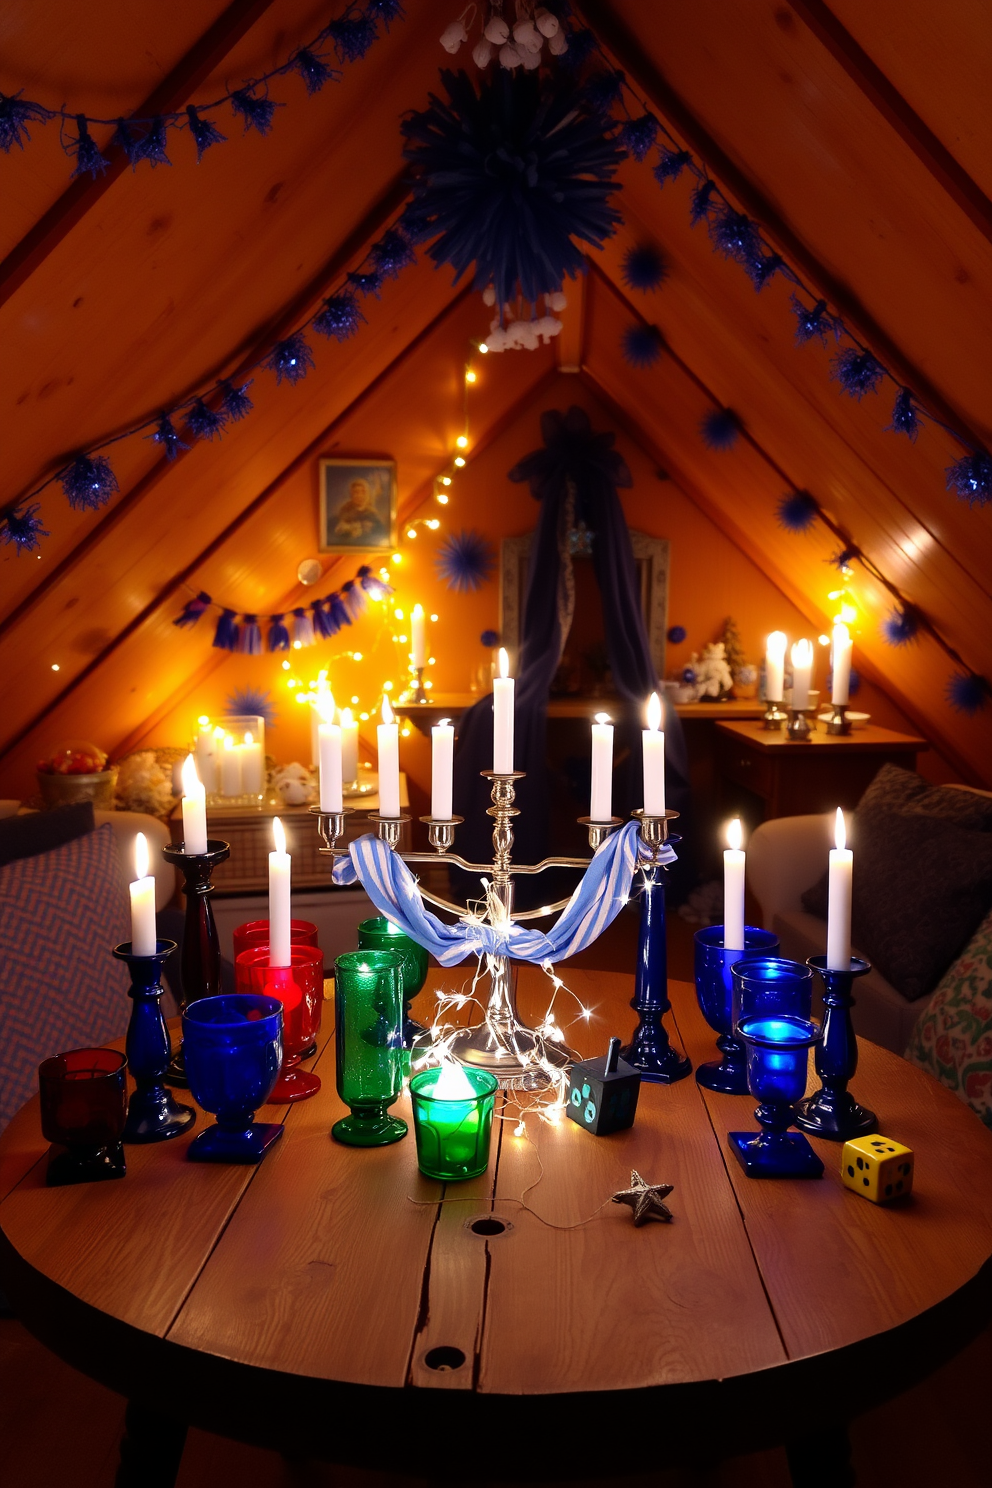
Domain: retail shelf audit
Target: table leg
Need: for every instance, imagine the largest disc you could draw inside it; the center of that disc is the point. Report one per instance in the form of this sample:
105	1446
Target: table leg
151	1449
822	1460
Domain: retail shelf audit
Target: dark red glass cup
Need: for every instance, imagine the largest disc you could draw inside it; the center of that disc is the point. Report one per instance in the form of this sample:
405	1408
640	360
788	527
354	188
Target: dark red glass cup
300	989
83	1111
256	932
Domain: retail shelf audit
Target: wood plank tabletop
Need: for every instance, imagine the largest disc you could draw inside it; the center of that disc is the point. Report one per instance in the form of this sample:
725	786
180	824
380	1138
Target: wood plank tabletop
328	1264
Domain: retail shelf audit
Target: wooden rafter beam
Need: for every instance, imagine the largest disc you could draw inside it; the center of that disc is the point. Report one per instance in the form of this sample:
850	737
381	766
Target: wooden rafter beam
778	576
629	55
169	589
889	102
351	250
171	94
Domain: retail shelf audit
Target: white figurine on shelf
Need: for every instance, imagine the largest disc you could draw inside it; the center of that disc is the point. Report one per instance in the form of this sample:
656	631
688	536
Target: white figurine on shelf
713	679
294	784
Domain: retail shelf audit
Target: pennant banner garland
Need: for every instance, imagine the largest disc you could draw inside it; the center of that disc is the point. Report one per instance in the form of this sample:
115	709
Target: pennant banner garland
304	625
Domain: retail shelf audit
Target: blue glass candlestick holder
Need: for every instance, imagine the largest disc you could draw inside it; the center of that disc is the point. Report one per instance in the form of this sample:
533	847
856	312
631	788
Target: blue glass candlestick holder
832	1112
715	994
650	1050
772	1002
153	1113
233	1056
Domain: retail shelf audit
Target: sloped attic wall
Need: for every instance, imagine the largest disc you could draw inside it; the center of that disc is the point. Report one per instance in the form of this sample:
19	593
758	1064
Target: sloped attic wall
174	274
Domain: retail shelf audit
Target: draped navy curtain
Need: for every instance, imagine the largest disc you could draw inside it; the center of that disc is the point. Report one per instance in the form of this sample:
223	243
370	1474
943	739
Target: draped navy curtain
575	477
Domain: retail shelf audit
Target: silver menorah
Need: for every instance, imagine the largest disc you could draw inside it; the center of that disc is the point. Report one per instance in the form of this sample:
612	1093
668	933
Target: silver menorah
518	1055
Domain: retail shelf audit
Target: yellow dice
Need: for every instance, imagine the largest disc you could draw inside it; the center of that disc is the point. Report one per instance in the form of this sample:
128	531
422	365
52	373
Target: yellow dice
877	1168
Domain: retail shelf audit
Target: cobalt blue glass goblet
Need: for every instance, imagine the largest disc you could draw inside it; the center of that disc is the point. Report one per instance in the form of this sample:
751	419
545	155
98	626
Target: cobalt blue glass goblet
233	1054
715	994
773	1000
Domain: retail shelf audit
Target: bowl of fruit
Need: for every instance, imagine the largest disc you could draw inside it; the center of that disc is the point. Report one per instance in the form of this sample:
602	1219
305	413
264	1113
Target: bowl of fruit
77	771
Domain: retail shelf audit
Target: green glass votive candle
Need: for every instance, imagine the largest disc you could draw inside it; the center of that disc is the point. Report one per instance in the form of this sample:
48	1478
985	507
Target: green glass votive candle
380	934
368	1007
453	1120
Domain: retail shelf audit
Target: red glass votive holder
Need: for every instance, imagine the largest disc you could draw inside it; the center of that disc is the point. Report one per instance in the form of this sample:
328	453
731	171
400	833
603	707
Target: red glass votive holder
300	989
83	1111
256	932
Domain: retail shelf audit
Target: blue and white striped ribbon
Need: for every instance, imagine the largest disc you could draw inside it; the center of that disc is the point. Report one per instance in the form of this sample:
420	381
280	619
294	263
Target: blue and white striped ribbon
596	902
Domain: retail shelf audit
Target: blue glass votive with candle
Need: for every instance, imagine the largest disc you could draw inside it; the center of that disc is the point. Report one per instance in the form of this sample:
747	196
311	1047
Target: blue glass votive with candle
773	998
715	994
453	1120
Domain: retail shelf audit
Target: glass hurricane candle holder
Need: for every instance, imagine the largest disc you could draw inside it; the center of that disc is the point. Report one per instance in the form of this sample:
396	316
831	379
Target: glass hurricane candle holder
453	1120
715	994
368	1006
380	934
83	1112
300	989
256	932
233	1056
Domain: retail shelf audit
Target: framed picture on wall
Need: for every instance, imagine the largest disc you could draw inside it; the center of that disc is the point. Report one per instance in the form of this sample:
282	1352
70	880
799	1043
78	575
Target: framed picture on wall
357	506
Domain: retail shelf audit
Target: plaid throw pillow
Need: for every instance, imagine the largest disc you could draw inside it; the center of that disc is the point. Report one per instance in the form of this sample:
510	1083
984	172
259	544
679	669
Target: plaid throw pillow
60	988
953	1039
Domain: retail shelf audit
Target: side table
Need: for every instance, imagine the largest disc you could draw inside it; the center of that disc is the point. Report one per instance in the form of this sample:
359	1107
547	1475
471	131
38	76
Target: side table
792	778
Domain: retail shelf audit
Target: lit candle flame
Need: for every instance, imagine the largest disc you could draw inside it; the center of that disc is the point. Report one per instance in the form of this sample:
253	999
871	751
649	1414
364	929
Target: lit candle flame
654	712
228	742
453	1083
278	835
325	705
191	780
444	723
387	712
504	662
802	654
417	612
603	718
734	834
248	737
840	830
345	717
140	856
775	645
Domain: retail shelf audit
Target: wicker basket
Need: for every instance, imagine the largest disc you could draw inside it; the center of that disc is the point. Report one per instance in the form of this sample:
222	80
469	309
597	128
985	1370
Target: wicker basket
62	790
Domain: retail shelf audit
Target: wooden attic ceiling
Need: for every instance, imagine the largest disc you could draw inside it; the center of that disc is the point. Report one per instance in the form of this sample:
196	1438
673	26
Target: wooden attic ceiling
874	183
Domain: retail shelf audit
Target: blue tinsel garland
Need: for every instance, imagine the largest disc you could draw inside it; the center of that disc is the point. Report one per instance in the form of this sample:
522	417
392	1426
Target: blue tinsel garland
901	626
971	478
512	178
23	528
251	702
321	619
968	692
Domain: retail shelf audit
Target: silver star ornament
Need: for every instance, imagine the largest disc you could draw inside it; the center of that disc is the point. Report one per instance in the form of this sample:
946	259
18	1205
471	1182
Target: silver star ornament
646	1200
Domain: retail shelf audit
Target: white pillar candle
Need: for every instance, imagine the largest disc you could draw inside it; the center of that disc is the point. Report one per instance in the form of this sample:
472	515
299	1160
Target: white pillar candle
442	756
503	717
418	637
252	766
733	890
230	769
653	754
280	886
775	666
840	657
331	791
349	747
206	757
194	810
839	899
601	794
802	673
143	932
389	762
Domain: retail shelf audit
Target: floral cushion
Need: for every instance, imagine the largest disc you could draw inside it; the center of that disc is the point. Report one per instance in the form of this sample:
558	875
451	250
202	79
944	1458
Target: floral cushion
953	1039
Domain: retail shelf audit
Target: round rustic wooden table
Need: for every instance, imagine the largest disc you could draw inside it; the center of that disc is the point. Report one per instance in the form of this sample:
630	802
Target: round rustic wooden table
323	1302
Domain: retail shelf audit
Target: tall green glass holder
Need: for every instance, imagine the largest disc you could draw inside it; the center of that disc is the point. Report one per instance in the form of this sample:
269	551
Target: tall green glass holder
380	934
368	1009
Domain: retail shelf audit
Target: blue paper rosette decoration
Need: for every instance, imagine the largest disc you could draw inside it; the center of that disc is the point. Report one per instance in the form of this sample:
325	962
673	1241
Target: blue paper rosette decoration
512	176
